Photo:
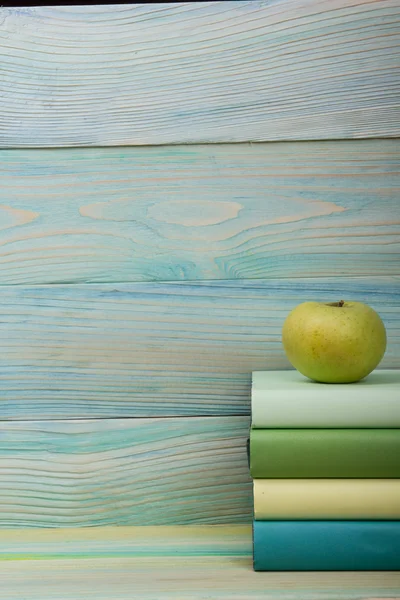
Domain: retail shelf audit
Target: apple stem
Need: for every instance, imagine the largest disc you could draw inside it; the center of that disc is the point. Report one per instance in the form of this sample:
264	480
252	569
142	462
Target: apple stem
339	304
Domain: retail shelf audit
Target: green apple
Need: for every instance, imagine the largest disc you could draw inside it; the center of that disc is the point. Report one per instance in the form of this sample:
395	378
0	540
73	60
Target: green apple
334	342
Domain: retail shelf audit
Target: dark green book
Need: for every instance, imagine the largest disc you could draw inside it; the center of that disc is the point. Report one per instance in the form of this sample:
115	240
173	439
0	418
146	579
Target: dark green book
304	453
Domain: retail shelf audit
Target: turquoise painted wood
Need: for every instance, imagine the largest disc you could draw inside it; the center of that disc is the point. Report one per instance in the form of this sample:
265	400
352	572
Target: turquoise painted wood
124	472
153	349
160	563
200	212
199	72
188	541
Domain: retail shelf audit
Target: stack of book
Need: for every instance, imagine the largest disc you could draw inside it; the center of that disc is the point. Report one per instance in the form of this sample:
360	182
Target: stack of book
325	460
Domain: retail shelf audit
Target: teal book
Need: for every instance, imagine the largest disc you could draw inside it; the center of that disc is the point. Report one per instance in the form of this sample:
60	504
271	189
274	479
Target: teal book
326	545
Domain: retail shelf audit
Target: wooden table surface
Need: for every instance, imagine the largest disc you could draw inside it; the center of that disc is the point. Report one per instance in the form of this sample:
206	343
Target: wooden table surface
155	563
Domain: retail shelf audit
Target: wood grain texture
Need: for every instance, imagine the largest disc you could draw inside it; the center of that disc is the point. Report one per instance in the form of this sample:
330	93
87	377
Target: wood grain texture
124	472
157	349
199	72
200	212
157	563
139	541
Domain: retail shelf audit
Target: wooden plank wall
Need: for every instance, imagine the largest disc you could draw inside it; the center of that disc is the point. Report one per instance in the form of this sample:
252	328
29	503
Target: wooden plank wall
124	472
141	350
141	284
200	72
214	212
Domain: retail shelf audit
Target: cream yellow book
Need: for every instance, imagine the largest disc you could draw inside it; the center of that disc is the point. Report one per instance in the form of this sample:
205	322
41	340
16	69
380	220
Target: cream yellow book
313	499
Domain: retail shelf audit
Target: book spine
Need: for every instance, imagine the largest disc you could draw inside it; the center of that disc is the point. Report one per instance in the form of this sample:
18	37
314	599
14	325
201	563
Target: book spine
326	545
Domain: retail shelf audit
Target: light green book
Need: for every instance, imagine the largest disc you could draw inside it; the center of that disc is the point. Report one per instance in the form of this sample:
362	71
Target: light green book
287	399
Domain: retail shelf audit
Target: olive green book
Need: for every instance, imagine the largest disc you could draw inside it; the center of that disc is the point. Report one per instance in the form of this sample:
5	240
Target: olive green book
307	453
